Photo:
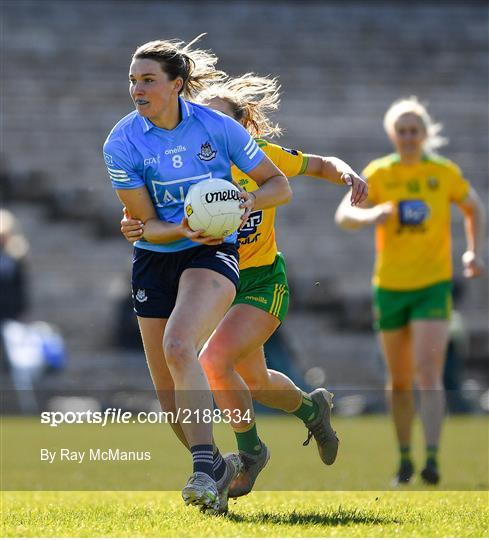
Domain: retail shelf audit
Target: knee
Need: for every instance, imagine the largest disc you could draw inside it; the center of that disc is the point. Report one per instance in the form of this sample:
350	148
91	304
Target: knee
216	361
429	379
178	351
400	384
429	375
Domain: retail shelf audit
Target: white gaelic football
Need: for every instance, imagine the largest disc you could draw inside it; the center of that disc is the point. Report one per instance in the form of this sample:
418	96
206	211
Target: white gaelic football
213	206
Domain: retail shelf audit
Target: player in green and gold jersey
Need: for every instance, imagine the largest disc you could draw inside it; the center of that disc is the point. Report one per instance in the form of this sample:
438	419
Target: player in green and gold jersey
410	193
233	358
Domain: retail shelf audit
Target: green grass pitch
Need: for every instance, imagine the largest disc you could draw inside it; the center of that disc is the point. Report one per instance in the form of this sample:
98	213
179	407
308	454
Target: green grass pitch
365	506
266	514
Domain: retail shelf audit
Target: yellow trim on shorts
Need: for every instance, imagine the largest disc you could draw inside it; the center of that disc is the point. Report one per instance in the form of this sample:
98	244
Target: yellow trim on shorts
274	299
283	292
278	296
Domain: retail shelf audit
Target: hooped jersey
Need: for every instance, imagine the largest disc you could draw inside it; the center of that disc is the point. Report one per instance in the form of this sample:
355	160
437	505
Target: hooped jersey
257	245
414	246
168	162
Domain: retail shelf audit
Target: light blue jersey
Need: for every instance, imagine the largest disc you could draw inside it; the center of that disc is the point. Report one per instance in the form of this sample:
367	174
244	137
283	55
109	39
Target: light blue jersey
168	162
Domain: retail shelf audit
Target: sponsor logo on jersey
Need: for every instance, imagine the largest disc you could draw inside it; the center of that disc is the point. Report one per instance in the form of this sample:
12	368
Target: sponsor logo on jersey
251	226
222	196
206	152
176	150
433	183
169	197
153	160
249	239
290	151
413	212
141	295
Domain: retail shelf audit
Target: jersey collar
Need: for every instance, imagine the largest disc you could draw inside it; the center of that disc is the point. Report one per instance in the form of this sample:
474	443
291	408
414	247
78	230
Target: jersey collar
185	108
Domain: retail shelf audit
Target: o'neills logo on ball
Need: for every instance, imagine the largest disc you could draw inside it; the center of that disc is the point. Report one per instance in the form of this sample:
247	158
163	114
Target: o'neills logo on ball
222	196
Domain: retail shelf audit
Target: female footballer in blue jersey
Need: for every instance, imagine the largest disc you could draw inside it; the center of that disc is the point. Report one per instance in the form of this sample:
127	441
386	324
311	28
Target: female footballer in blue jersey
234	358
183	283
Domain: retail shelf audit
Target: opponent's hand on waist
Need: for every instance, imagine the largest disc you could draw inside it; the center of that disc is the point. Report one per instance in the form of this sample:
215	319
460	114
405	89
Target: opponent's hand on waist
132	229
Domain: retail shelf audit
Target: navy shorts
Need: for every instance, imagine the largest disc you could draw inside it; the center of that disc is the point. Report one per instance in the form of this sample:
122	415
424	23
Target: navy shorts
155	275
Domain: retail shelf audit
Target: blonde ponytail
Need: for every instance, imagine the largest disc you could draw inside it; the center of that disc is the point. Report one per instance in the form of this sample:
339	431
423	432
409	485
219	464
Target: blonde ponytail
252	99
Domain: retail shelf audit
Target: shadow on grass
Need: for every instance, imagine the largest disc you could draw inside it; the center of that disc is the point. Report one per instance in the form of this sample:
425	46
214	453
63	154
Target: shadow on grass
331	517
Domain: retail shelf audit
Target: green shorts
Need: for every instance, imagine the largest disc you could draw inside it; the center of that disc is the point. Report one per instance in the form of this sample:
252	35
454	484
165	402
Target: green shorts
266	288
394	309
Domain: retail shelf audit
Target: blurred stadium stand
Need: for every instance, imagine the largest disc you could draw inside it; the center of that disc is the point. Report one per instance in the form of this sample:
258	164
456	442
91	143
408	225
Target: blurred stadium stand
341	64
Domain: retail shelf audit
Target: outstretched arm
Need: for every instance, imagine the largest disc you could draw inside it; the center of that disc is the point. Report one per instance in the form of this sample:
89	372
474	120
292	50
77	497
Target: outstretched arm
355	217
274	189
337	171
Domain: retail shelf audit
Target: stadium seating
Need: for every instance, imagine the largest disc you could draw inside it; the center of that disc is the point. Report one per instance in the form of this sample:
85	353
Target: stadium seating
340	66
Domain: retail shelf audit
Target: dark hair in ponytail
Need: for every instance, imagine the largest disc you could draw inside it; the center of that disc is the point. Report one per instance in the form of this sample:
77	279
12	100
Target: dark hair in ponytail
196	67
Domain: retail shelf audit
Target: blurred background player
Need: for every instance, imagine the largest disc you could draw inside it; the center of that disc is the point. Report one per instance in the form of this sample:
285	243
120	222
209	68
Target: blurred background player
410	193
13	275
234	358
14	285
183	282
